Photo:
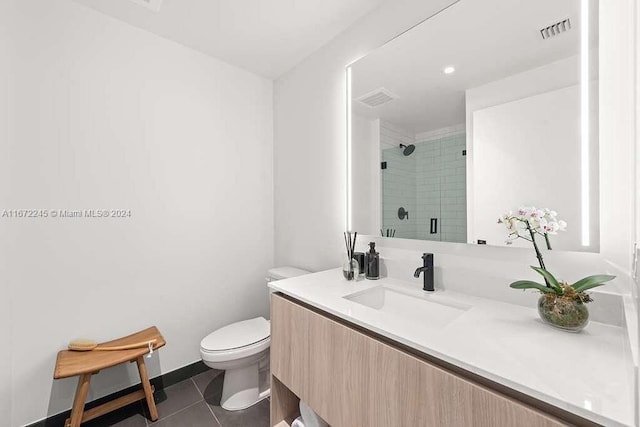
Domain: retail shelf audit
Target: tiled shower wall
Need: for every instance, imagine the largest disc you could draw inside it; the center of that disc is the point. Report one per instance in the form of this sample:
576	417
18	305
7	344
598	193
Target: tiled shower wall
398	182
431	183
441	188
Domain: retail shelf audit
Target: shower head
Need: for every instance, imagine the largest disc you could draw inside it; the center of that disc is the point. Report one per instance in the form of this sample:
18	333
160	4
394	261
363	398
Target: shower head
407	149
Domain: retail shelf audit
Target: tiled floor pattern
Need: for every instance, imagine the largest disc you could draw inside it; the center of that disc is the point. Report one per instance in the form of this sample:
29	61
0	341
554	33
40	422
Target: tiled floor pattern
194	402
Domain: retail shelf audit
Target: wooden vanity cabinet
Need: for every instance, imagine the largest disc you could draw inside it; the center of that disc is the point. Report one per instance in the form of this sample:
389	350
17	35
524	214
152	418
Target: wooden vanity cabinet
352	379
289	356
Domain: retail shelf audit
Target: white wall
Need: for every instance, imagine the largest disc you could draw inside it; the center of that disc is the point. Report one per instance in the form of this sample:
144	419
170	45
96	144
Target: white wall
525	86
366	174
5	296
392	135
107	116
634	24
525	153
310	133
636	46
618	38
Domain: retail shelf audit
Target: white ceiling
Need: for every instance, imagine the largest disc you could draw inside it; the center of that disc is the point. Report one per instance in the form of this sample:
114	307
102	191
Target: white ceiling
267	37
485	41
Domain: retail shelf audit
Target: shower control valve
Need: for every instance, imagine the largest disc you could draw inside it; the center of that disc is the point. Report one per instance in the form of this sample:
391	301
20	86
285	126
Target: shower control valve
403	213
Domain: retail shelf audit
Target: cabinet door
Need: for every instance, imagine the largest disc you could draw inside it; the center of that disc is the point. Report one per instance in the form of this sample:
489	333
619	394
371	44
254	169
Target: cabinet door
406	391
491	409
289	344
355	380
338	372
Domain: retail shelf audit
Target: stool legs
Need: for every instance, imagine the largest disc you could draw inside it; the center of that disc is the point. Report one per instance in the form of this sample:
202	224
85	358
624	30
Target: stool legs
146	386
78	402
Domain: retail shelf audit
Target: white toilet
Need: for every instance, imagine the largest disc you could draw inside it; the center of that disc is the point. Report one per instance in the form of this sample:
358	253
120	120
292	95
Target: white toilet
238	349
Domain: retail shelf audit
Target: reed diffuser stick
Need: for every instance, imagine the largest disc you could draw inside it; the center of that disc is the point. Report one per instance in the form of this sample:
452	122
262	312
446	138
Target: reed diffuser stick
346	243
353	244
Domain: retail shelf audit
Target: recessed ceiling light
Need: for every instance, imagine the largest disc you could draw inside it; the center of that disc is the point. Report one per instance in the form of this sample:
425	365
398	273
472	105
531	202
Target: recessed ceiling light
449	70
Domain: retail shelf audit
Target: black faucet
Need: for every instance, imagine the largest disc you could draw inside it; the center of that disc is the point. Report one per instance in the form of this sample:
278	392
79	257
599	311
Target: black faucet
427	268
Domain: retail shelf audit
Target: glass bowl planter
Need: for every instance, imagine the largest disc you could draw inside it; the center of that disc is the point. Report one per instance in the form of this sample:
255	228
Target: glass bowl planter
566	313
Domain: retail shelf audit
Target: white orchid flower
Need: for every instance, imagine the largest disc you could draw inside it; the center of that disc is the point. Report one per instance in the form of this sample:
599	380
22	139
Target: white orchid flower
531	219
536	214
505	217
511	237
541	224
551	228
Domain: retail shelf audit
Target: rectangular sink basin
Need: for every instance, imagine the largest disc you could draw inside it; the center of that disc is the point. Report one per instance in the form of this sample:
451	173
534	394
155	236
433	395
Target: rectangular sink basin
426	309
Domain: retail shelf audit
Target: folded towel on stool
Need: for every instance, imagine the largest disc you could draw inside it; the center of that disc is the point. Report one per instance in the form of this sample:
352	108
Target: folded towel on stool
298	422
310	418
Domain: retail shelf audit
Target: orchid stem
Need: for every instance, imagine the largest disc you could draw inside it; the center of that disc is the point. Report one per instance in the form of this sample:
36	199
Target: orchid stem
538	253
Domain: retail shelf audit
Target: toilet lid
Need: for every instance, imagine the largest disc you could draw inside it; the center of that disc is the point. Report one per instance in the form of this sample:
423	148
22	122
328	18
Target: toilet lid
236	335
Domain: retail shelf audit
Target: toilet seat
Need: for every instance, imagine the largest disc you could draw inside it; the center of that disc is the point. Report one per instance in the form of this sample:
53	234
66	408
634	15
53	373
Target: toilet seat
237	340
241	350
235	353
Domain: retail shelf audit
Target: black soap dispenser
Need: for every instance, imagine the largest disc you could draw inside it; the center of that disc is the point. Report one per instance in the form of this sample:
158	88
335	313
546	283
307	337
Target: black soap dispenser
372	263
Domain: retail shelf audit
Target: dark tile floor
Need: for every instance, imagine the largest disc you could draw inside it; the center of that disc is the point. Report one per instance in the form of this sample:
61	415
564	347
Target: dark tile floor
194	402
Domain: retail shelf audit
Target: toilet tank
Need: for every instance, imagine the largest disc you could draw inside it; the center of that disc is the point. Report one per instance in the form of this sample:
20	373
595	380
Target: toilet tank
279	273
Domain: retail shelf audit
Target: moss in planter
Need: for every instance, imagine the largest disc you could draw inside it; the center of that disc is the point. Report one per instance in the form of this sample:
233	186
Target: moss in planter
566	312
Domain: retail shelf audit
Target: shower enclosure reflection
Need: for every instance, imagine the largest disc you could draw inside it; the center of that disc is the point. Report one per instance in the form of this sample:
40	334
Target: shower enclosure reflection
429	180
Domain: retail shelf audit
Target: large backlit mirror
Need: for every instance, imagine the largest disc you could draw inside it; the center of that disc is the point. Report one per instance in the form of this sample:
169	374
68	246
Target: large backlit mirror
485	107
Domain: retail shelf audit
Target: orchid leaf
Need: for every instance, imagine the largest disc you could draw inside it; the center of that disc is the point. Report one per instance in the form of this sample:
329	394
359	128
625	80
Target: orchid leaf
528	284
550	279
591	282
587	287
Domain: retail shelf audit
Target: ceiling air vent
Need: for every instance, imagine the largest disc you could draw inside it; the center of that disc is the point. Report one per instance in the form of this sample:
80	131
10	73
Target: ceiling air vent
377	98
149	4
555	29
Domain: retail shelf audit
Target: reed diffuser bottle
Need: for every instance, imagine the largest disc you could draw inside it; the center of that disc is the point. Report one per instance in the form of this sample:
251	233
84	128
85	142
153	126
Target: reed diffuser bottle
350	268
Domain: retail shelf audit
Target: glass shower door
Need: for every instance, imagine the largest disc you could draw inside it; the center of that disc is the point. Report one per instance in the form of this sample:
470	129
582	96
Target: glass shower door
428	189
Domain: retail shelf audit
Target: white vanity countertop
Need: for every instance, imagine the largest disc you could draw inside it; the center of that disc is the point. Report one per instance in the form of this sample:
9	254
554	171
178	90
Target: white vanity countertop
590	374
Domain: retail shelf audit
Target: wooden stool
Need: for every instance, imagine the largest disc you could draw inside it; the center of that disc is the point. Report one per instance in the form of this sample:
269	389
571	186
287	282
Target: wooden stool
86	363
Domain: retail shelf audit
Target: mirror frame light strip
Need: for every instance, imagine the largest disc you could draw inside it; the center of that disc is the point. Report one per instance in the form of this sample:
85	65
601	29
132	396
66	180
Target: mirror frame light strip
349	131
584	121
